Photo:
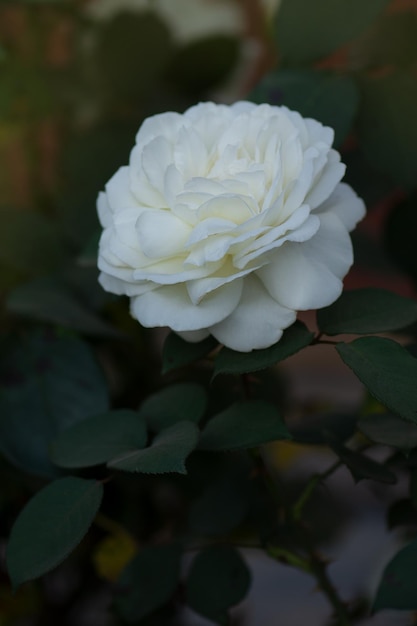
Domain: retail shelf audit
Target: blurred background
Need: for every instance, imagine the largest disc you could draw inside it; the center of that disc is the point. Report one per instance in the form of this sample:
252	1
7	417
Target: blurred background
77	77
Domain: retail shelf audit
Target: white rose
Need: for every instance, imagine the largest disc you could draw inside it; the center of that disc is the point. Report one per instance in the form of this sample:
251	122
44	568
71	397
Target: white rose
227	221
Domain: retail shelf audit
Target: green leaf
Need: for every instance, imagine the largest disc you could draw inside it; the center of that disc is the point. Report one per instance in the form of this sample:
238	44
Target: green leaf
363	311
50	526
389	430
387	370
398	586
243	425
362	466
218	579
177	352
183	401
331	99
29	242
148	582
307	30
293	340
167	453
47	384
388	136
99	439
50	300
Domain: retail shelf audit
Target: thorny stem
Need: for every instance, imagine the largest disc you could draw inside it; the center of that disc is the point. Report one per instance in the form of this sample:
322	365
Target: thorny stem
313	563
319	571
310	488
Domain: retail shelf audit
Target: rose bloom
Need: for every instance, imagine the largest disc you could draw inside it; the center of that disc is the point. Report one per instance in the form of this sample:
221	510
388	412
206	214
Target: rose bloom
227	221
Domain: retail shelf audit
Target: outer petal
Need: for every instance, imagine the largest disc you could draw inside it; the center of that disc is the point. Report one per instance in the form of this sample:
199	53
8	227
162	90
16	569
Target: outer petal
257	322
326	180
193	336
118	191
163	124
346	204
103	210
308	275
171	306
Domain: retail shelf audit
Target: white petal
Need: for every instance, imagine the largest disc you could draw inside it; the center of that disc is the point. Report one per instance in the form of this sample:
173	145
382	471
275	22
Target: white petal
190	153
171	306
308	275
275	237
164	124
161	234
118	191
346	204
200	287
157	156
103	210
173	185
171	271
122	287
326	180
211	251
142	189
194	336
206	228
257	322
227	206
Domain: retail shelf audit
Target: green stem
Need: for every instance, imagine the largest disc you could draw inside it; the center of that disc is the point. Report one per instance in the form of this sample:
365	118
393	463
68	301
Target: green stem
310	488
319	571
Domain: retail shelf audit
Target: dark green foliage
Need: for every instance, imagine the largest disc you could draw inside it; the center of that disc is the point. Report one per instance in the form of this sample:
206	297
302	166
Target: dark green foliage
204	64
48	383
167	453
148	582
307	30
183	401
400	230
294	339
218	579
316	427
398	586
178	352
51	300
362	466
224	501
30	243
328	98
363	311
387	133
50	526
387	370
243	425
99	439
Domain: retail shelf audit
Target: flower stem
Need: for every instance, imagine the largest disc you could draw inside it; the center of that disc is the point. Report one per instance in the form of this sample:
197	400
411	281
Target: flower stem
319	571
310	487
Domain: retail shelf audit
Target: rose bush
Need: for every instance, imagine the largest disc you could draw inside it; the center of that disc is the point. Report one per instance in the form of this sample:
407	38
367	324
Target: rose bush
227	221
